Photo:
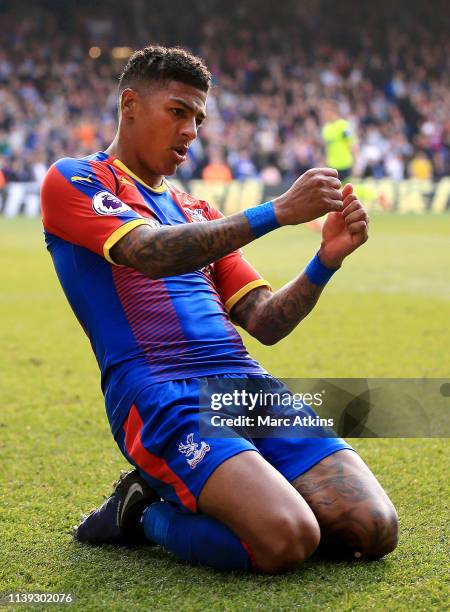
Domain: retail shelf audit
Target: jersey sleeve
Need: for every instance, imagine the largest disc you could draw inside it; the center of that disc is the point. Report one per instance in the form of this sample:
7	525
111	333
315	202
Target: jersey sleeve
233	275
79	204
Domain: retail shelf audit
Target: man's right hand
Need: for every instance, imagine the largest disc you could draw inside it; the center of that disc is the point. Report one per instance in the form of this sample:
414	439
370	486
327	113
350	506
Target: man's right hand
315	193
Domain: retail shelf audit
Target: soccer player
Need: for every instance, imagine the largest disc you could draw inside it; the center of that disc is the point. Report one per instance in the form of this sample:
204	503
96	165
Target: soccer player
339	141
154	276
340	147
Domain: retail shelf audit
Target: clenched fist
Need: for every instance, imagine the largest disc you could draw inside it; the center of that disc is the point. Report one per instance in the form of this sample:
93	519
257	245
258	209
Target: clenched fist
344	231
314	194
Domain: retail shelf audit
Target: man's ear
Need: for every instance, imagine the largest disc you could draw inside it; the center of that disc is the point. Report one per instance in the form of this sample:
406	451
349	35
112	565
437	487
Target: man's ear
128	101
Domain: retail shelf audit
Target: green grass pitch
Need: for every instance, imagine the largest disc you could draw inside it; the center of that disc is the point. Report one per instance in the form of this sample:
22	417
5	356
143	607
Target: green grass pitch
384	314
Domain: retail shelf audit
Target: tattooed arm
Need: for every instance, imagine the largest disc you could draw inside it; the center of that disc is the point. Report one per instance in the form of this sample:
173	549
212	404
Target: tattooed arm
173	250
269	317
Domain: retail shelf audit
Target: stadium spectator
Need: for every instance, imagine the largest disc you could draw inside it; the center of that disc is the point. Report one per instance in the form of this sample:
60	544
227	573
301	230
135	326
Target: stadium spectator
420	167
217	169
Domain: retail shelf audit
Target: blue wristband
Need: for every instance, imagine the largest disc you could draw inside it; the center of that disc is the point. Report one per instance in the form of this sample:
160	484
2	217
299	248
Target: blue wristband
262	219
317	273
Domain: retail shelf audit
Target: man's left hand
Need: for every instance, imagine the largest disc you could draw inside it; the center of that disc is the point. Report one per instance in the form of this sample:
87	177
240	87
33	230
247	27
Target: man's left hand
343	232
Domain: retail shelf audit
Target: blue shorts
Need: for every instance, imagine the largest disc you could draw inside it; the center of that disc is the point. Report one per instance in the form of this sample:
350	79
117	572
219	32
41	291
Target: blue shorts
160	437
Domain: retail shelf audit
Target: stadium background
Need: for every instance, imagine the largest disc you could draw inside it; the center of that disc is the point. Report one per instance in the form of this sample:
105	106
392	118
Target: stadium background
385	315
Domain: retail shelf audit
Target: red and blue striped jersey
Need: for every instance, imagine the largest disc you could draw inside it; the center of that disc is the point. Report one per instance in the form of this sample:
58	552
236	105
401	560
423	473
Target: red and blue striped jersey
142	330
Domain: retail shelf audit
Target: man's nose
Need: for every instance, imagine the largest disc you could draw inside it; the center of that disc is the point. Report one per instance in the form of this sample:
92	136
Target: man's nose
189	129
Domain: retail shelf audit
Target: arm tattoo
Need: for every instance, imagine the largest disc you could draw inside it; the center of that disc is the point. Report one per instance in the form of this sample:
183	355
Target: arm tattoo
270	317
174	250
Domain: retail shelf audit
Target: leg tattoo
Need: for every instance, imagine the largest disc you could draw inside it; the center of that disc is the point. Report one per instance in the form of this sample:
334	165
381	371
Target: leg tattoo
356	517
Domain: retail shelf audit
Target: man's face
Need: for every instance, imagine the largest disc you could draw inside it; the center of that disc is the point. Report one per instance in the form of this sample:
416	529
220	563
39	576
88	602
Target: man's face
329	113
160	122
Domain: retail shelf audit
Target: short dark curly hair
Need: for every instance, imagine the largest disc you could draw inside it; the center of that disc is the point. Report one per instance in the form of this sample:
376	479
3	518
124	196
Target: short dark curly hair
162	64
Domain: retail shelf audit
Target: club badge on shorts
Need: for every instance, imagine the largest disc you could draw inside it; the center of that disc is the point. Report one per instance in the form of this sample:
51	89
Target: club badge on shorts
191	448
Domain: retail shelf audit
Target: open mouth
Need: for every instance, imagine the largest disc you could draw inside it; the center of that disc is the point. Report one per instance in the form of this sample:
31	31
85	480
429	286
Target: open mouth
180	152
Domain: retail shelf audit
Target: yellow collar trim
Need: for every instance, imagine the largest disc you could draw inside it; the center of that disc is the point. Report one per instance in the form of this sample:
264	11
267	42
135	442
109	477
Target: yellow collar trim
161	189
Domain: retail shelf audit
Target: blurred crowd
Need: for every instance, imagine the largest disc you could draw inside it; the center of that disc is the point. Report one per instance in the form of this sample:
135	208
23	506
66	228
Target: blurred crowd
385	66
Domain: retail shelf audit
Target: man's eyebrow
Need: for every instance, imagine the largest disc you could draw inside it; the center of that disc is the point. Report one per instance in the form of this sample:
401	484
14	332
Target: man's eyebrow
201	115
